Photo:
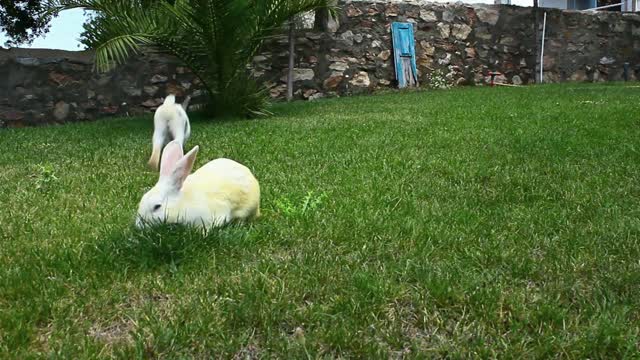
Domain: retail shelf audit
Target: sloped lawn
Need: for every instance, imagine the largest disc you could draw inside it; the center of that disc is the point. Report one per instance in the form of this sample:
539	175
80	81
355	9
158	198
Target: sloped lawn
478	222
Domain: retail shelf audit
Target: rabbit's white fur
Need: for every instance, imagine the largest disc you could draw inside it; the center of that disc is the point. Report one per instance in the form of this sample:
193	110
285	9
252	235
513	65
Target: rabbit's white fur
220	191
170	122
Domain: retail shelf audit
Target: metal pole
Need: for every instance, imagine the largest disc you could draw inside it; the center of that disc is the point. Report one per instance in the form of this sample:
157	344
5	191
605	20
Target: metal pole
544	27
621	4
625	72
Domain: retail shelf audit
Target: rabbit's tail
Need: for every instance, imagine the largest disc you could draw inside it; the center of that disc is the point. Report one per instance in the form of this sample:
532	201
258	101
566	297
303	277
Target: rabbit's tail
170	100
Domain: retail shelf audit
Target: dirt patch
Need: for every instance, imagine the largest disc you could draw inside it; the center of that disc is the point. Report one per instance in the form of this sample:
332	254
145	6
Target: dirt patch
43	338
117	332
249	352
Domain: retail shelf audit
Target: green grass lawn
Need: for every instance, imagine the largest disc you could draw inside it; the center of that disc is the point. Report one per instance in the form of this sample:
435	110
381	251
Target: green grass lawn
477	222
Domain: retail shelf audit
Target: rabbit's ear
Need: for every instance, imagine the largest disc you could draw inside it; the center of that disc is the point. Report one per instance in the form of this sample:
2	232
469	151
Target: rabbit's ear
170	156
183	168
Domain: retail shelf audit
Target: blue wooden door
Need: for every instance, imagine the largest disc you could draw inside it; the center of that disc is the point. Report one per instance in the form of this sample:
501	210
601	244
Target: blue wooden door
404	54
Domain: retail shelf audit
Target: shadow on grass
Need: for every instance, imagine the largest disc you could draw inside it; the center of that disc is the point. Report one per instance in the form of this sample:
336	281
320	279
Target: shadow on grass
280	108
203	117
166	245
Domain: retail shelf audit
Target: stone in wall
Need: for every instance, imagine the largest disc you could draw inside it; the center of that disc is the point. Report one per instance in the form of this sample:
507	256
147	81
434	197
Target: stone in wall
361	79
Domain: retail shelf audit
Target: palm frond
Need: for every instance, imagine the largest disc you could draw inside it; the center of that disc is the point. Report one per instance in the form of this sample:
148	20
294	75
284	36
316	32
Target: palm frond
216	39
117	50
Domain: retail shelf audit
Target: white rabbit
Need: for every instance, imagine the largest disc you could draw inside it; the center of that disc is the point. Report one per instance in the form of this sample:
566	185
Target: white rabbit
170	122
220	191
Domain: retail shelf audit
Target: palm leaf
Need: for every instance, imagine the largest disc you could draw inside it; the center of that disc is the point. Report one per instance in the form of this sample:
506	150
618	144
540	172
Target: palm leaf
216	39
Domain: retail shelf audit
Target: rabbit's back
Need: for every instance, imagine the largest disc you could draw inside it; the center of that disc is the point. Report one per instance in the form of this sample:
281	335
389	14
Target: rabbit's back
224	182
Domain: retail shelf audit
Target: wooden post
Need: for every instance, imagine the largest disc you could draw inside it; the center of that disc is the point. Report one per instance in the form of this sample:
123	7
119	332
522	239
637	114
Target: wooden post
544	28
292	26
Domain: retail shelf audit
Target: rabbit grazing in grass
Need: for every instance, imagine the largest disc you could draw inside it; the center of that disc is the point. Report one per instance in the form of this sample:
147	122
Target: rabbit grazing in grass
220	191
170	122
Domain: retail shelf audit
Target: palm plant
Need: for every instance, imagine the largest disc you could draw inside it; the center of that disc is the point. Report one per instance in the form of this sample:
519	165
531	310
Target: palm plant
216	39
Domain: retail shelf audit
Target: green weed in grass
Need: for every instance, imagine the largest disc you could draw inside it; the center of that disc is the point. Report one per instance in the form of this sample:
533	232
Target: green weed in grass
308	204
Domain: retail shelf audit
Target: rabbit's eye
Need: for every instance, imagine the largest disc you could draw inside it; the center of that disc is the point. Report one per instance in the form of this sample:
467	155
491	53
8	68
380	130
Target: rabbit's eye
157	207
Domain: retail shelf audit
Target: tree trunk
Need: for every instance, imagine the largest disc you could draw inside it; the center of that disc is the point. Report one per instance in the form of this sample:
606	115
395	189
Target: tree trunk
292	26
324	21
536	40
321	19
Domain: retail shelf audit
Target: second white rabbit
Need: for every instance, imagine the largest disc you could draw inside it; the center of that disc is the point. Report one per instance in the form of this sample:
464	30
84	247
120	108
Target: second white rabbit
170	122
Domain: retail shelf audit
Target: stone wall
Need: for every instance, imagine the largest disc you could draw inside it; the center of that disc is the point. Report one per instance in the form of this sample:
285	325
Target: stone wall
50	86
461	42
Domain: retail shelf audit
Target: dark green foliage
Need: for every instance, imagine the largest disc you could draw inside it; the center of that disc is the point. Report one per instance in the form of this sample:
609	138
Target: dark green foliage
216	39
23	20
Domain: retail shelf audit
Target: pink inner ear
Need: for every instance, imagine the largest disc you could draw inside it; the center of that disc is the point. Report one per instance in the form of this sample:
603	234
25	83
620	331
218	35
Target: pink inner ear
170	156
183	168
